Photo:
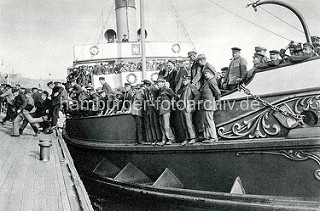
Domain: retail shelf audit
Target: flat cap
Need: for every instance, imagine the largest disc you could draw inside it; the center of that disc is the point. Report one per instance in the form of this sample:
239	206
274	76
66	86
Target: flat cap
208	70
201	56
192	53
127	84
102	78
147	82
258	54
57	82
8	86
236	49
35	88
307	45
298	47
224	69
50	83
274	52
259	48
46	93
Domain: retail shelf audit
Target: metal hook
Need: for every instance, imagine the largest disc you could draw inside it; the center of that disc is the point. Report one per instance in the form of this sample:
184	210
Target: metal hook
254	5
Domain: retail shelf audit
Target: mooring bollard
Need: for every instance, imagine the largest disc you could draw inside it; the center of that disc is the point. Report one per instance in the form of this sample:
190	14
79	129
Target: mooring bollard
45	149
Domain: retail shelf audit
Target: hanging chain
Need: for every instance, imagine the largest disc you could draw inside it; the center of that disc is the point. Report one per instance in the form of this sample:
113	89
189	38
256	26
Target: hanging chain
267	104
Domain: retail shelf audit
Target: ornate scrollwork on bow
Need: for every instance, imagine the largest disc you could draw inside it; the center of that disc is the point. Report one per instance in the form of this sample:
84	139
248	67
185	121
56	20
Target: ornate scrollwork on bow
260	126
295	155
255	127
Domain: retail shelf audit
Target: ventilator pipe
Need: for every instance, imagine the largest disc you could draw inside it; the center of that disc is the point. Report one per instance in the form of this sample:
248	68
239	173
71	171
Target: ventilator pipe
288	6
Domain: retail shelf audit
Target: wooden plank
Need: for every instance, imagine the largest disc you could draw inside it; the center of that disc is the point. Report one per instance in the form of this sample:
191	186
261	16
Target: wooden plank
5	181
63	192
22	167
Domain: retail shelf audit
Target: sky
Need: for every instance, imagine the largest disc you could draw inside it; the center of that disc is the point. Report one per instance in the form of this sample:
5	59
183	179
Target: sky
37	36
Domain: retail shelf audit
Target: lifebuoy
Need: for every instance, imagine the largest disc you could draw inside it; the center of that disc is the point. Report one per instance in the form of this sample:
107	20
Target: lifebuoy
132	78
94	50
176	48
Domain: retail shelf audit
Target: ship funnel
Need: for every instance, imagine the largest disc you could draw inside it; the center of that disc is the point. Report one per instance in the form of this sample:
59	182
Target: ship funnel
139	34
126	19
110	35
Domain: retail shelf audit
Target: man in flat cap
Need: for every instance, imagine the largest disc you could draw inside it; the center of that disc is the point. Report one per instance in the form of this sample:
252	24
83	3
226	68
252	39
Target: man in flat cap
222	79
165	107
209	94
105	86
274	58
195	70
56	99
263	51
316	44
189	96
136	110
126	98
308	50
237	71
258	61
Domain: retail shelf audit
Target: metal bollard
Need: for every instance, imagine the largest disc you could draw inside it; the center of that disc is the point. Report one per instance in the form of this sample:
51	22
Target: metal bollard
45	150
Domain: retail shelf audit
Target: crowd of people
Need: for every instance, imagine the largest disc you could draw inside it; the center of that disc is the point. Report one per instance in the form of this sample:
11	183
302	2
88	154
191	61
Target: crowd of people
185	95
32	106
201	85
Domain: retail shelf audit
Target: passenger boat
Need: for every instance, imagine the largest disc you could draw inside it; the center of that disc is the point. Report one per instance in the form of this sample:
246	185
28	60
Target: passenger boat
267	156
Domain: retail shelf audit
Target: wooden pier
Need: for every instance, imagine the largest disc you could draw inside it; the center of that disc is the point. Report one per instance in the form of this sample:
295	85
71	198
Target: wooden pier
26	183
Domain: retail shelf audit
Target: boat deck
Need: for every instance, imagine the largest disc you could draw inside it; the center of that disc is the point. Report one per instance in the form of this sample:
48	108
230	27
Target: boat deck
26	183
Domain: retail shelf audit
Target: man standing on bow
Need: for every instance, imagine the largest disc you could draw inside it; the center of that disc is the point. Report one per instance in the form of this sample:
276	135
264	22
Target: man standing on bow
195	70
189	96
209	94
237	71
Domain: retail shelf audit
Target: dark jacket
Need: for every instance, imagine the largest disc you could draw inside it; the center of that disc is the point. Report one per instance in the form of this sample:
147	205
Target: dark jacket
56	99
237	69
189	95
164	104
196	74
209	94
136	108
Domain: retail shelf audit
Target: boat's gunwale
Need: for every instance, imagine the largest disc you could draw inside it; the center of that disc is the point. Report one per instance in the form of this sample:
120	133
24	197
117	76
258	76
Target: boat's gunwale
221	146
209	197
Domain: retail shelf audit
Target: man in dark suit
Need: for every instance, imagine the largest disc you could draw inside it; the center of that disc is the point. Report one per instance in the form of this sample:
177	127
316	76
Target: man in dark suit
195	70
105	86
209	94
56	101
189	96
